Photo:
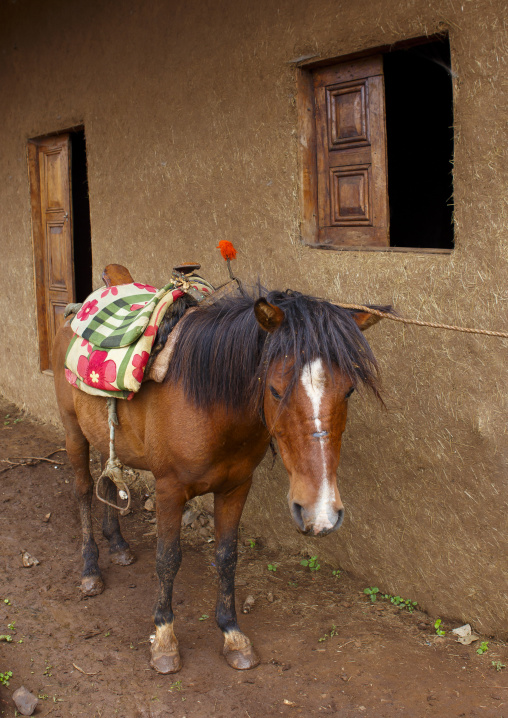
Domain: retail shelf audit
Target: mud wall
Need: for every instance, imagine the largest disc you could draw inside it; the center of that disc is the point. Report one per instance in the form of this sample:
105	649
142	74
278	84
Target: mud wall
191	128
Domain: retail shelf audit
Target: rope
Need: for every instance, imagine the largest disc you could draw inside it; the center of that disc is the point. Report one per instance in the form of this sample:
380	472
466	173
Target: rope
113	469
419	323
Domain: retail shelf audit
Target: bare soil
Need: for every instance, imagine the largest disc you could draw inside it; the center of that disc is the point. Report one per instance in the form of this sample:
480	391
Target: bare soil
89	657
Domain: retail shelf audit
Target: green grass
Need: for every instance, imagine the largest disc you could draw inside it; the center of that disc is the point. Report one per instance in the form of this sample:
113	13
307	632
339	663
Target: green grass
5	677
437	625
311	563
374	593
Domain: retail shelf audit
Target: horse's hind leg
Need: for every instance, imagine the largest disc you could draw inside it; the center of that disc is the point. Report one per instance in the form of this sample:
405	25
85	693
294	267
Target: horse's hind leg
165	654
119	549
237	649
78	451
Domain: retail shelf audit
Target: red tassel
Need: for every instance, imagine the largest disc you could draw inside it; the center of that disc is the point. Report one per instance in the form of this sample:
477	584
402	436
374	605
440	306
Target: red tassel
226	249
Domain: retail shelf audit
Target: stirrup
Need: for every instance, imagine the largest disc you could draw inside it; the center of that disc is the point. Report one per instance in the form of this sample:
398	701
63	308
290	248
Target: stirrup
114	468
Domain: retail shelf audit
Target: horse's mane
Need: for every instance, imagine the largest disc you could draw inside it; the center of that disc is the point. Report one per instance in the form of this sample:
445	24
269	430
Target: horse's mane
222	355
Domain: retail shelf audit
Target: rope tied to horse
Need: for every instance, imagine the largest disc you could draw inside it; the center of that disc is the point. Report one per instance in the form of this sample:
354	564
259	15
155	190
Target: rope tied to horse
418	322
114	469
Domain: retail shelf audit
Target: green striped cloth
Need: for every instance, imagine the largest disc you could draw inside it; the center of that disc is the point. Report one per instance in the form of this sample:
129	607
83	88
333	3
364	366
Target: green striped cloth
114	332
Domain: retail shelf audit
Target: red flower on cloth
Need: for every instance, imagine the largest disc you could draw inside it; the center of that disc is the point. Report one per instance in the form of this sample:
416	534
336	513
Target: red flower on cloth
139	361
113	290
71	377
150	331
146	287
137	306
98	371
87	309
86	343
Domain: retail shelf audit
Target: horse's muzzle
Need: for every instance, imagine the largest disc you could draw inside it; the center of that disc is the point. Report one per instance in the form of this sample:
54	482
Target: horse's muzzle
305	524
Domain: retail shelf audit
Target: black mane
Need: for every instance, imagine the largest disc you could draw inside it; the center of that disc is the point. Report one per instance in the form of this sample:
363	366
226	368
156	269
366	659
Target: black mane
222	354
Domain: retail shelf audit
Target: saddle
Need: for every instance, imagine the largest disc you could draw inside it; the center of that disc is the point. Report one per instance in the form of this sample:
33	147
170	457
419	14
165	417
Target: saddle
116	327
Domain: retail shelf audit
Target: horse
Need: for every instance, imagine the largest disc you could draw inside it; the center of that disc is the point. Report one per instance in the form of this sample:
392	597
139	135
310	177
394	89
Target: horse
245	370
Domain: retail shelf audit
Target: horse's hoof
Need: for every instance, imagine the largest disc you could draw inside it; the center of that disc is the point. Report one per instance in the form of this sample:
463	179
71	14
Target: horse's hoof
166	662
242	659
92	585
124	557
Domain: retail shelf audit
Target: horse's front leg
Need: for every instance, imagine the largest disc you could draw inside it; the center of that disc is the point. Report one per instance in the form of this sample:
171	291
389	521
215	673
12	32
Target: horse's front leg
237	649
165	655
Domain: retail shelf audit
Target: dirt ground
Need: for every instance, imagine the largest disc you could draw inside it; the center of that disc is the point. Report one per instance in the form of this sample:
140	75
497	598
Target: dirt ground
325	648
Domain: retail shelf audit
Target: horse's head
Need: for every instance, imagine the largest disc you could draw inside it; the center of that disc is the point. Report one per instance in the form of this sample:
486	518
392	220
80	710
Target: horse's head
314	359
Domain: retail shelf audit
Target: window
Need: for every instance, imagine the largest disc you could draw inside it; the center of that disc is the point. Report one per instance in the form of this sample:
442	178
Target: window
61	230
376	151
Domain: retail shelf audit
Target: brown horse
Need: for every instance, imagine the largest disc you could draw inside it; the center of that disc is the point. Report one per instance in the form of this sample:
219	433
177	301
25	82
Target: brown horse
243	371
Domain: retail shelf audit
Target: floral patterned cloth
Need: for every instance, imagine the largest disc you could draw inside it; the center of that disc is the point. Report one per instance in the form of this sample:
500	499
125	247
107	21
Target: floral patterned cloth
114	332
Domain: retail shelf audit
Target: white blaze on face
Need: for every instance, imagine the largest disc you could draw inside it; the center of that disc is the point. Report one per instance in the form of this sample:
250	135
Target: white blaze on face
313	379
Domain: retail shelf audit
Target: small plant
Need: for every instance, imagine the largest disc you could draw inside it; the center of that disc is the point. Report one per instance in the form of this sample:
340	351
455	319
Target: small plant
6	638
7	601
47	670
498	665
401	602
176	686
272	567
292	584
439	631
371	592
332	633
5	677
107	634
203	617
252	543
10	626
336	573
311	562
484	647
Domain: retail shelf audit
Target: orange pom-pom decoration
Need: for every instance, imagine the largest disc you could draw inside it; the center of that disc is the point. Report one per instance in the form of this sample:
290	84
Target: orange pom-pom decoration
226	249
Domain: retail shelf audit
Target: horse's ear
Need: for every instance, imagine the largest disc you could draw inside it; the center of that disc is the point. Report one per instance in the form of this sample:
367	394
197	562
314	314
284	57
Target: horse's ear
365	320
269	316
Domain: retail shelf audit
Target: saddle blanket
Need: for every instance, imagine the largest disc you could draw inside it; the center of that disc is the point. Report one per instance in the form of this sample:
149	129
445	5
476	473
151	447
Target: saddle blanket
114	332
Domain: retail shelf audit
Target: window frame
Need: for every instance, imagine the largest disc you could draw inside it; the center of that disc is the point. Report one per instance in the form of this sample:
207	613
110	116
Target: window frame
308	149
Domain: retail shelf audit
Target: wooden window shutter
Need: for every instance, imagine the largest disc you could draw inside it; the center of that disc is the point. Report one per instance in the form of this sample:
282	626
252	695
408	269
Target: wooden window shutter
352	189
50	184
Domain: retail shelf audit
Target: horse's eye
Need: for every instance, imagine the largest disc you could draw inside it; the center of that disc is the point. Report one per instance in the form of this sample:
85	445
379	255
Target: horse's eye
349	393
274	393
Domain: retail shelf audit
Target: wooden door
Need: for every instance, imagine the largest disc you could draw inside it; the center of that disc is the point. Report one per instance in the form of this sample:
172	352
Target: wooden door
351	153
50	180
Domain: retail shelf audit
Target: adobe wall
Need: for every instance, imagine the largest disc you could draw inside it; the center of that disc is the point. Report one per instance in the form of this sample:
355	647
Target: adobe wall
191	127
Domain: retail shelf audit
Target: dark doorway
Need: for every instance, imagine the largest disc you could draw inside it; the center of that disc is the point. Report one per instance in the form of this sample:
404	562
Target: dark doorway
61	230
82	234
